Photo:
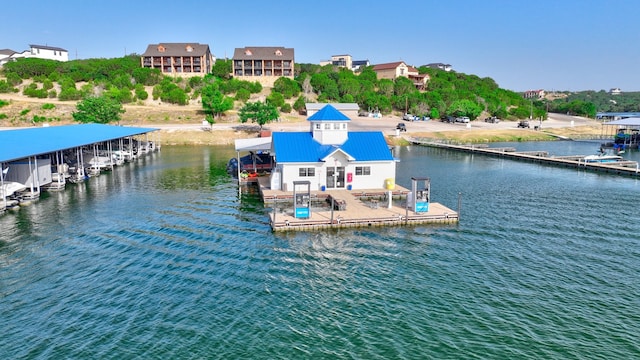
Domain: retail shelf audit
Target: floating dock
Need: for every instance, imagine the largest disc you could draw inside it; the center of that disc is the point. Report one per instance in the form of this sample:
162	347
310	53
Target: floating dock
351	209
629	168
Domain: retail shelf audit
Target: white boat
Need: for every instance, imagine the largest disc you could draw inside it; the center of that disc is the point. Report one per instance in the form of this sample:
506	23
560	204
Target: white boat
602	158
11	187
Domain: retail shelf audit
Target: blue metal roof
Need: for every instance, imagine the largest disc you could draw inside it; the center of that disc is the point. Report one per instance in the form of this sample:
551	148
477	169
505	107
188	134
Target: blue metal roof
23	143
328	113
294	147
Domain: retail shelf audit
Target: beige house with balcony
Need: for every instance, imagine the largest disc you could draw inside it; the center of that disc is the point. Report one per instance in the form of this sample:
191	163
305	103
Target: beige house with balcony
394	70
179	59
263	64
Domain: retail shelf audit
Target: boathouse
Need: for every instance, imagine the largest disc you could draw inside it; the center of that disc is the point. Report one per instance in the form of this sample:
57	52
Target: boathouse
43	157
330	156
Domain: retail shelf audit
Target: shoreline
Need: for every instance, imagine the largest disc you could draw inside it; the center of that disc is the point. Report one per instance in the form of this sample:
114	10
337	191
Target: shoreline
183	125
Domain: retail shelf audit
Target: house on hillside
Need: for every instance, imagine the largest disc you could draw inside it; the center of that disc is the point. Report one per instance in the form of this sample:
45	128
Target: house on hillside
48	52
35	51
441	66
358	65
180	59
330	156
344	61
263	64
394	70
534	94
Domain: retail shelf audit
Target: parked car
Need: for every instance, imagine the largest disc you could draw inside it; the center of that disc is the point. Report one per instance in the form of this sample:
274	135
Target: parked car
523	124
448	119
408	117
363	113
463	119
492	120
401	127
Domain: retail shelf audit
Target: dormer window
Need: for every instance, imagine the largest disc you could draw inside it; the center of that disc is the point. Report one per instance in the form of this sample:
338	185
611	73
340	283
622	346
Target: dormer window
248	52
189	48
278	52
161	48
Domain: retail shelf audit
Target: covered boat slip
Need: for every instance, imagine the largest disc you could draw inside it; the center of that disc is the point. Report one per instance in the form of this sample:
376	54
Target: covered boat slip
24	143
257	160
33	157
627	132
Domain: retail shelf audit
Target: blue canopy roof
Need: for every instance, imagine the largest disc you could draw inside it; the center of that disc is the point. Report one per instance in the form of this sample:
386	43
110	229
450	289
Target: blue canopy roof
328	113
23	143
301	147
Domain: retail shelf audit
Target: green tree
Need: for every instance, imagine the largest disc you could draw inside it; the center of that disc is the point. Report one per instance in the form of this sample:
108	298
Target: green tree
214	102
258	112
222	68
300	104
101	110
287	87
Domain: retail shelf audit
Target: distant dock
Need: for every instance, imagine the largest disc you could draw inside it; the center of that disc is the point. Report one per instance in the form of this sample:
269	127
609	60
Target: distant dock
351	209
629	168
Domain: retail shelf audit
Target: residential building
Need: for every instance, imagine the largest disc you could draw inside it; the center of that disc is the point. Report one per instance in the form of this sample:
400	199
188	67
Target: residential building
330	156
357	65
534	94
615	91
35	51
6	55
394	70
344	61
441	66
179	59
263	64
49	52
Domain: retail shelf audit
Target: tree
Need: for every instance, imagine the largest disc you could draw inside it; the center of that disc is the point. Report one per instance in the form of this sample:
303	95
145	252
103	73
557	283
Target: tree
222	68
258	112
101	110
214	102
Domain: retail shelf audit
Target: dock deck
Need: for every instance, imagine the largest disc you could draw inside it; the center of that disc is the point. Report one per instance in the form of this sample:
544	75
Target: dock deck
574	161
357	208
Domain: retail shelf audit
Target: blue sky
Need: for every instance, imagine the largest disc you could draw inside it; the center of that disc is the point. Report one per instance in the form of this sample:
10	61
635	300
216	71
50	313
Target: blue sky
523	45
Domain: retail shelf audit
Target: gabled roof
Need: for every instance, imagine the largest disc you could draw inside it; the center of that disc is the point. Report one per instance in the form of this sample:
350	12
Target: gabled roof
23	143
328	113
177	49
388	66
45	47
338	106
8	52
263	53
300	147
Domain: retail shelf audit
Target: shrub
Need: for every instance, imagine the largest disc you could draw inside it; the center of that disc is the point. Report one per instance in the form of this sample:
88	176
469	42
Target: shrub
243	95
286	108
48	106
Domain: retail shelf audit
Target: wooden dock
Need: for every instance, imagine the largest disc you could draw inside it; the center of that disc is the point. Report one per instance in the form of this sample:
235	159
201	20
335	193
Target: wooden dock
629	168
357	208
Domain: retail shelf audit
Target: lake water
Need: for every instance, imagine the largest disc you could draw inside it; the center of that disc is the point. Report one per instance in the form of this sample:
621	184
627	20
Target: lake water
163	259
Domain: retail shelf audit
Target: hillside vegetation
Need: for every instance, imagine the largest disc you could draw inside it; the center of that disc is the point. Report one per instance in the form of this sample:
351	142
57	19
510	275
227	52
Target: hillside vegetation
216	94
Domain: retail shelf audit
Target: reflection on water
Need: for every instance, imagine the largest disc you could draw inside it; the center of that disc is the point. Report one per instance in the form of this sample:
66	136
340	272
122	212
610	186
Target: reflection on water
163	258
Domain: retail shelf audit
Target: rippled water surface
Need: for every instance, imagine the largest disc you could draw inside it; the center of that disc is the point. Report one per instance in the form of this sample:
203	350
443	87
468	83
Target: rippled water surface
163	259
